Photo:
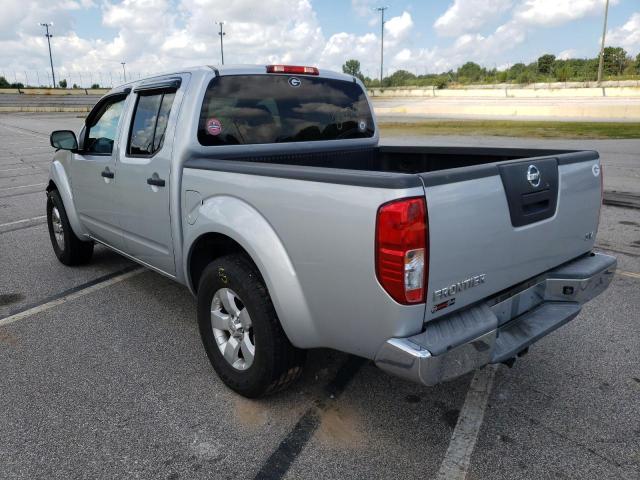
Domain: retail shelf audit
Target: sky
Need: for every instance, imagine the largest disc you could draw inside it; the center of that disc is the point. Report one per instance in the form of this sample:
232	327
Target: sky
94	36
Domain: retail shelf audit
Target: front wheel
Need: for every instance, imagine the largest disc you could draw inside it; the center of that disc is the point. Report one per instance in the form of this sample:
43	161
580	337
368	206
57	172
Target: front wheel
69	249
241	332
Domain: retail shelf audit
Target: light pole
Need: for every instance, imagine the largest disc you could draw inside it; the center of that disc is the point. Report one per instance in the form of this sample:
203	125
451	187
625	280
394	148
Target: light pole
381	10
124	71
604	33
222	34
48	35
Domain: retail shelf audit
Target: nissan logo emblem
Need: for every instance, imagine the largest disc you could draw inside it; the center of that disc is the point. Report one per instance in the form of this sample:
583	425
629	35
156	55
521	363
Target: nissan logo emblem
533	176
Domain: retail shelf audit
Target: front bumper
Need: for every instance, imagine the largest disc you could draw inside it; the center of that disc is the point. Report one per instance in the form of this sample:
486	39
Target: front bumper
499	328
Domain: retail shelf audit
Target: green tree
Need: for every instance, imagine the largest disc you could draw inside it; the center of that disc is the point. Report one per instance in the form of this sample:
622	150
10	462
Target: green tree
95	85
441	82
399	78
615	60
4	83
545	64
638	63
562	72
63	83
527	76
515	71
471	71
352	67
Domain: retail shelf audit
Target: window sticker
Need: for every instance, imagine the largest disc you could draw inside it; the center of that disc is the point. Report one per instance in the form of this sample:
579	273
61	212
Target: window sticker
214	127
295	82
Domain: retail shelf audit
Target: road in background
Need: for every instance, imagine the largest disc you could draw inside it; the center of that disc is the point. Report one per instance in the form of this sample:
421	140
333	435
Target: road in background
115	383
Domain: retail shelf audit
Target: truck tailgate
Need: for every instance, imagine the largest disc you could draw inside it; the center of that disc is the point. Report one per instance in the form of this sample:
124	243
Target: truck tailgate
494	226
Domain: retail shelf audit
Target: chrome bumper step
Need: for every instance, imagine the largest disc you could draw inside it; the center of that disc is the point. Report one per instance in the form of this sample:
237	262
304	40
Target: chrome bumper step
497	330
530	327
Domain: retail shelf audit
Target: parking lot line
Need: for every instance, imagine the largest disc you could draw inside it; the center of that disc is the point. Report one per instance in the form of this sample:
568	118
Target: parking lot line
628	274
18	222
73	293
24	131
457	459
23	186
279	462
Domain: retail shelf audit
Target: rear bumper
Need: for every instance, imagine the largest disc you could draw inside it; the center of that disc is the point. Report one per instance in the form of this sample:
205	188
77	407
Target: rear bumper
501	327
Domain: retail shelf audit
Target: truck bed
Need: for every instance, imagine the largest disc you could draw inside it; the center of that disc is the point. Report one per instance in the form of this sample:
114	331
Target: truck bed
406	159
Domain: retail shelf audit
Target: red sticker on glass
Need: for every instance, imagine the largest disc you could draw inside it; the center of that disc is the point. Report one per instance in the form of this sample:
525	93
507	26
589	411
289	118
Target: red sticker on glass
214	127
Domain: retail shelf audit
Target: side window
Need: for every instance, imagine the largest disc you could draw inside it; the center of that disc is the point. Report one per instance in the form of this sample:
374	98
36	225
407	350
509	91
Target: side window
102	132
149	123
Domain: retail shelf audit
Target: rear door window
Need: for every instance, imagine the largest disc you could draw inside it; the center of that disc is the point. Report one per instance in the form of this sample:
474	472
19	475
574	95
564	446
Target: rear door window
149	123
255	109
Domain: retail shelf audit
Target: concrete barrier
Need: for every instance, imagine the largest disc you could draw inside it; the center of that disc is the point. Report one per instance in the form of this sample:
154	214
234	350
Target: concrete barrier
54	91
547	90
595	110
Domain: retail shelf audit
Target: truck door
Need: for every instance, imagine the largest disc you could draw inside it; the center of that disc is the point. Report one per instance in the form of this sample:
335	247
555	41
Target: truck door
94	175
145	173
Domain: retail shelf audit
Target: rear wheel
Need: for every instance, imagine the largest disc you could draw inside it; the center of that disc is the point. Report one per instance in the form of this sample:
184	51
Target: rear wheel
69	249
241	332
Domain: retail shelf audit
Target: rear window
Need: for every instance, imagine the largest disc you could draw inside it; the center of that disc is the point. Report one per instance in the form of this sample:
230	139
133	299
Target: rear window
254	109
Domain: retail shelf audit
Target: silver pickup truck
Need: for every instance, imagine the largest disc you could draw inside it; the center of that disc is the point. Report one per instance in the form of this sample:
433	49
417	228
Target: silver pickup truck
263	189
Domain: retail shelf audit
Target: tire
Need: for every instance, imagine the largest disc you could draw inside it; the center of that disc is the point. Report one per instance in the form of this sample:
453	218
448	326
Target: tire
69	249
232	283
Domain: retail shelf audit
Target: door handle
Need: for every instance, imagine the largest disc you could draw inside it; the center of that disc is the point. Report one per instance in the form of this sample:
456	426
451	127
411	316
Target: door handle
107	174
156	182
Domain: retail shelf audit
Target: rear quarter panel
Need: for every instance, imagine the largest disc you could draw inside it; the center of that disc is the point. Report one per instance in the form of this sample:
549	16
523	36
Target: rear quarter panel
325	233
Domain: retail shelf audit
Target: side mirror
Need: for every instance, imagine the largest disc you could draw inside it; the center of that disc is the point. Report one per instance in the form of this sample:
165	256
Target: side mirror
64	140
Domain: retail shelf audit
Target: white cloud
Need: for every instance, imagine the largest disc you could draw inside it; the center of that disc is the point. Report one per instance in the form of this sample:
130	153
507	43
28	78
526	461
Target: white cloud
566	54
549	13
398	28
627	36
469	15
363	8
465	19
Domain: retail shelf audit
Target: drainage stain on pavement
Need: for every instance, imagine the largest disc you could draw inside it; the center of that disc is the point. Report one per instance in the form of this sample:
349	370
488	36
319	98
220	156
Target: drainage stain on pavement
450	417
10	298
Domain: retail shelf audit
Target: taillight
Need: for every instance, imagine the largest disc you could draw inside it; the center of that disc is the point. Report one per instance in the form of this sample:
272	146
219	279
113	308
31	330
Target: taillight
402	258
297	69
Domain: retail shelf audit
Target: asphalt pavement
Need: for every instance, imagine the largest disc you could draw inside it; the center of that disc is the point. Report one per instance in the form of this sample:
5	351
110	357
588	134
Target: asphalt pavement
105	376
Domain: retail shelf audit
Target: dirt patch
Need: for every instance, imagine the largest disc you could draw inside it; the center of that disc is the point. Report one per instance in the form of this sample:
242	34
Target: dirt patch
7	338
341	427
257	413
250	413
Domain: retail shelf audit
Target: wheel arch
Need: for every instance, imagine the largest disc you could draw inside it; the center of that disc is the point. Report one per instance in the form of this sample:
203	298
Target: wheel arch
229	225
59	181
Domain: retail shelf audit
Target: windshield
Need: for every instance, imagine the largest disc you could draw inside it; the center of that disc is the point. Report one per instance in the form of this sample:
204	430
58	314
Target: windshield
253	109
